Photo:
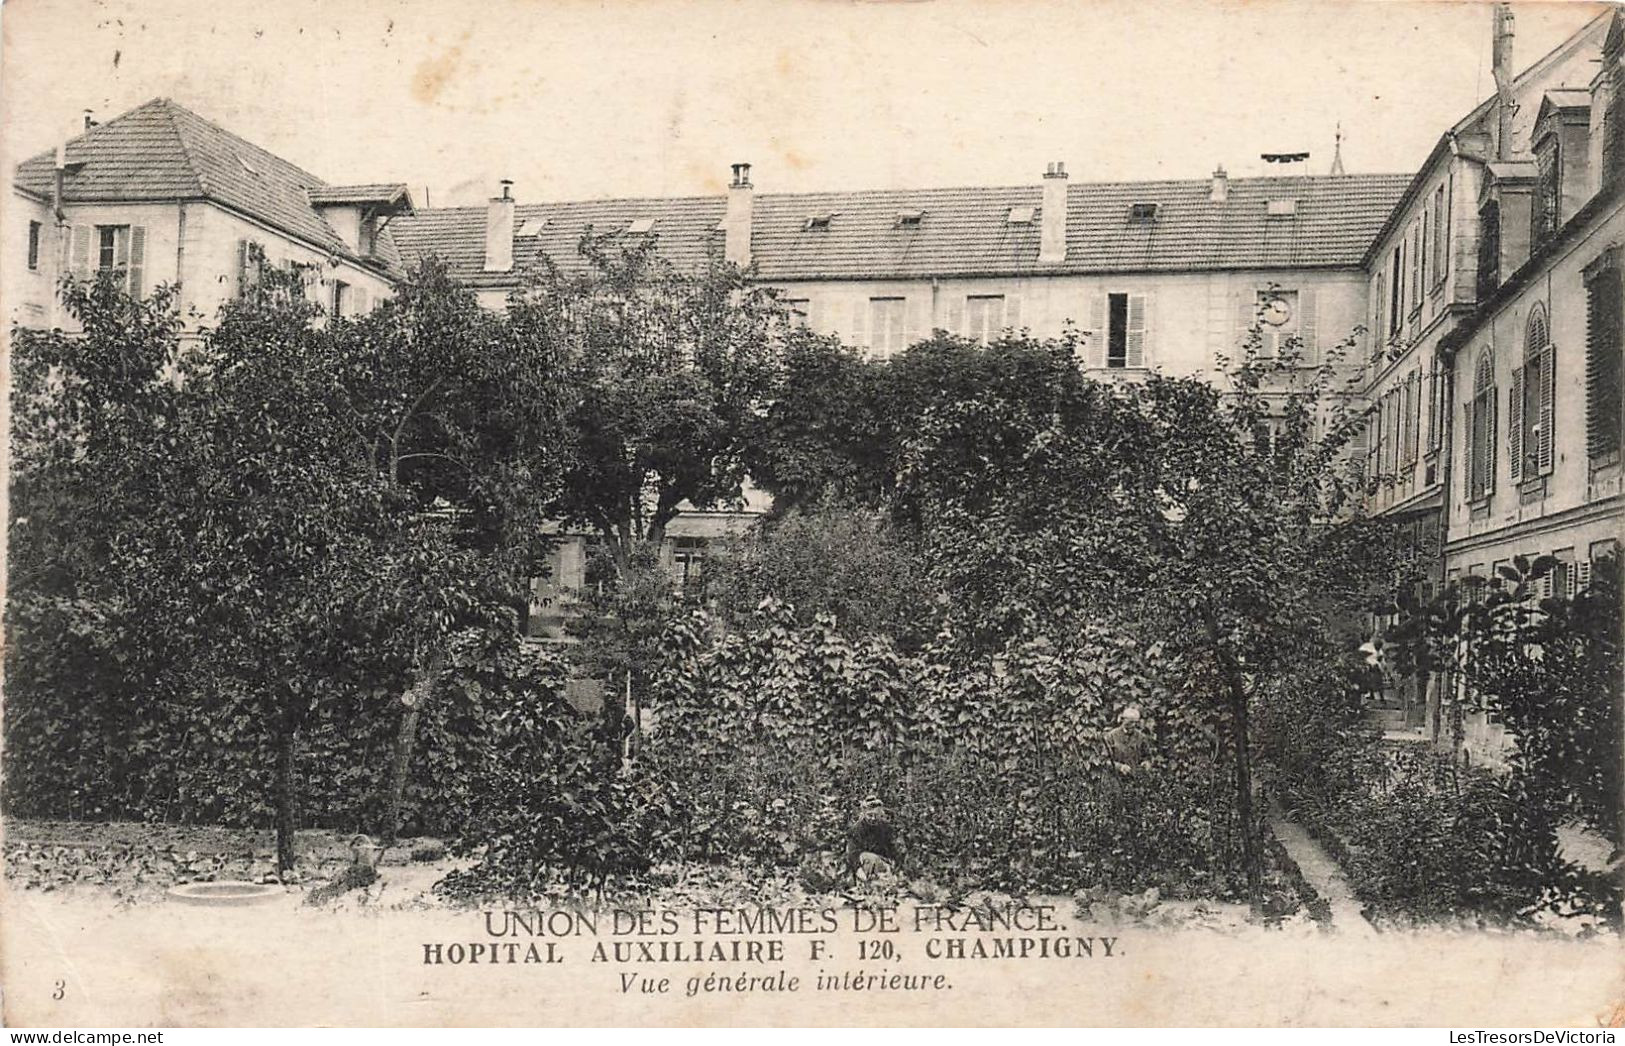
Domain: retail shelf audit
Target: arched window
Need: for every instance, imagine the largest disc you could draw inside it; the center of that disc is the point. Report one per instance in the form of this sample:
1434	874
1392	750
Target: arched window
1530	400
1480	430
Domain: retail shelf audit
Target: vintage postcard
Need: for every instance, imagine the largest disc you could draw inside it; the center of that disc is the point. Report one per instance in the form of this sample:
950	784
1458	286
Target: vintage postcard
708	513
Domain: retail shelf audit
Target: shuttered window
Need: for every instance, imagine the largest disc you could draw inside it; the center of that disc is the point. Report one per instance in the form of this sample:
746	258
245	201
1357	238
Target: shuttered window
1543	215
1441	236
1531	402
1605	402
117	249
887	317
1480	429
1412	418
1396	290
984	317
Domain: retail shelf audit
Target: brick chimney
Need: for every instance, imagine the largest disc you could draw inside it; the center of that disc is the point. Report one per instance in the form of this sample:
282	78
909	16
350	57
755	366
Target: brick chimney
736	221
1220	191
1052	230
1502	68
499	230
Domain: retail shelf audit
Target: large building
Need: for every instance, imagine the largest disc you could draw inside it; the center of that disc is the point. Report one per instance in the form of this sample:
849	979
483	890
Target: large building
162	196
1479	298
1493	377
1164	276
1153	275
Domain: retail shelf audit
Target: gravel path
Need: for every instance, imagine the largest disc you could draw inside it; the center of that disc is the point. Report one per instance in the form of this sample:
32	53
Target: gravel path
1325	876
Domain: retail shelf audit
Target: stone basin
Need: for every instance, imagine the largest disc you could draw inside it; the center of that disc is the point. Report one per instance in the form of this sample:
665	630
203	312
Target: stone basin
226	892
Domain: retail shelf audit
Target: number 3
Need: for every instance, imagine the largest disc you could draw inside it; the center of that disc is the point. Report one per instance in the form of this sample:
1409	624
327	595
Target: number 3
61	990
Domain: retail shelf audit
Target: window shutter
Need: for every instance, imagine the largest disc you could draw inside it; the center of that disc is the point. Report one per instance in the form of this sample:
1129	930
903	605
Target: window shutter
1139	327
1548	394
860	323
1582	575
81	250
1246	318
1491	405
956	314
138	258
1515	425
1605	358
1308	320
1469	473
1097	332
1012	311
1373	451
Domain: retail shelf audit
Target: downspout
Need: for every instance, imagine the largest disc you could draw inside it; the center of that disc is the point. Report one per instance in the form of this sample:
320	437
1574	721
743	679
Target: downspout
180	245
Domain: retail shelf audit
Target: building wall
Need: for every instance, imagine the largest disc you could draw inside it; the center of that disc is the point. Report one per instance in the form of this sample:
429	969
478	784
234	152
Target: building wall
193	243
1576	512
1571	506
1190	319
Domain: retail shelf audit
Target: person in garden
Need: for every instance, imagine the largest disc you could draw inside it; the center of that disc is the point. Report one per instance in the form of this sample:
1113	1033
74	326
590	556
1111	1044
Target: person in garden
1127	743
872	841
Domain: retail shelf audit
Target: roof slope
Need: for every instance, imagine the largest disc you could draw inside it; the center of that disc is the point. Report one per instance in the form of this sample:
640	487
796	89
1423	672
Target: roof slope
162	151
962	232
1480	120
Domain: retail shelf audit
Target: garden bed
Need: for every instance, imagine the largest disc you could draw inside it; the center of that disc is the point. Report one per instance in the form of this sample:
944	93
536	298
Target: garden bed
138	864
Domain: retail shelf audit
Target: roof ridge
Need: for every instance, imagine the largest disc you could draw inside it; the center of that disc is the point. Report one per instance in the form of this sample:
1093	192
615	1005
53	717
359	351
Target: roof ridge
168	107
238	140
904	191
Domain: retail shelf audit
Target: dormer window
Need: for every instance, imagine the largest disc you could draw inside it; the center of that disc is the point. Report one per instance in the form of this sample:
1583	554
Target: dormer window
1280	208
1543	217
250	168
817	222
533	227
1142	213
641	227
1022	215
910	219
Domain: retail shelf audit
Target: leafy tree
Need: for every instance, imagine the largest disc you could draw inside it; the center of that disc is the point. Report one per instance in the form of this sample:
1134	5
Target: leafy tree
1212	523
465	423
1549	670
92	416
669	373
827	433
828	559
283	518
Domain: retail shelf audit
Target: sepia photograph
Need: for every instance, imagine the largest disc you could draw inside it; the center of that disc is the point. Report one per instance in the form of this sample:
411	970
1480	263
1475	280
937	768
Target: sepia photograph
712	513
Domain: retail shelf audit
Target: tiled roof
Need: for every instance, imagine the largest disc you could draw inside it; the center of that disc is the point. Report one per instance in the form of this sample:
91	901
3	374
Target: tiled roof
162	151
376	192
962	232
684	228
1566	98
1480	120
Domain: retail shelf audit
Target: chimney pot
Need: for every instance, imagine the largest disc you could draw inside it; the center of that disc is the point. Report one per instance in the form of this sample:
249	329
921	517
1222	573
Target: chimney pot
1501	67
499	231
1221	185
738	217
1052	222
